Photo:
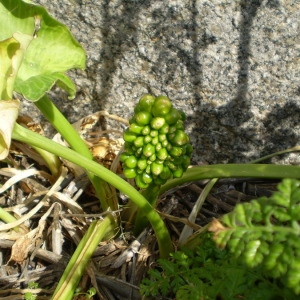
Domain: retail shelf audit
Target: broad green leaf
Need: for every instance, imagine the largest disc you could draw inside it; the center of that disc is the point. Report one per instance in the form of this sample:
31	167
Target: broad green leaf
51	53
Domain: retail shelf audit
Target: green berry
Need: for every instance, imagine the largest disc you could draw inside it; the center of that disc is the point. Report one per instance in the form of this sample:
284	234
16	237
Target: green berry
186	160
171	166
139	151
164	129
162	137
172	129
177	161
142	164
161	106
140	182
188	149
139	141
143	118
124	156
135	128
131	162
158	146
176	151
178	173
154	141
179	125
165	144
157	123
148	150
129	173
169	146
156	168
172	116
146	102
148	169
180	138
146	130
153	133
147	178
162	154
129	136
152	158
147	139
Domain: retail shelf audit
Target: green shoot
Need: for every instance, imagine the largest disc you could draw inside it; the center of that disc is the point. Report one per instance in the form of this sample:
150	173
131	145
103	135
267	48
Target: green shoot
77	264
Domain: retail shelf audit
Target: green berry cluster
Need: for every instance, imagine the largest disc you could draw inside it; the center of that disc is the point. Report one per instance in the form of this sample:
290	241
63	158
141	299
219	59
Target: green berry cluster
156	147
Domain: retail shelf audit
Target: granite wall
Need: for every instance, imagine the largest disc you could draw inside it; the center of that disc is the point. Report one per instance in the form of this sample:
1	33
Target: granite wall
231	65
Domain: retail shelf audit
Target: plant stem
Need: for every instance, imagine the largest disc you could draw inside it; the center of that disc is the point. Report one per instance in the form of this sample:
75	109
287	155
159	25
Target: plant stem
233	171
79	260
52	161
151	194
161	232
68	132
187	230
7	218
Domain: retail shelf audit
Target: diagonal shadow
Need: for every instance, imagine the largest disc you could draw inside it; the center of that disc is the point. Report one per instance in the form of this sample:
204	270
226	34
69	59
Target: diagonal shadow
119	33
237	111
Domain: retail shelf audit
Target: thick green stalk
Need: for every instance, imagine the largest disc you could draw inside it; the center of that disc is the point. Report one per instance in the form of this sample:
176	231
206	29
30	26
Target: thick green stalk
233	171
67	131
79	260
151	194
163	237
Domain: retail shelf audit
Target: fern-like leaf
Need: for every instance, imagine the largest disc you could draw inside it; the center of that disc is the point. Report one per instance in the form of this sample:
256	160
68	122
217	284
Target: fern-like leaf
266	233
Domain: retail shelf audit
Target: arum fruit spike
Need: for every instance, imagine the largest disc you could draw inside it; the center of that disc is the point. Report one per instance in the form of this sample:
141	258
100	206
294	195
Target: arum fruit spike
156	146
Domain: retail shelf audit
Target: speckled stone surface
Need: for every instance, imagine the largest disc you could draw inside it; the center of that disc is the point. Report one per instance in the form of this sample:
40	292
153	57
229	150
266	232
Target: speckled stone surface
232	65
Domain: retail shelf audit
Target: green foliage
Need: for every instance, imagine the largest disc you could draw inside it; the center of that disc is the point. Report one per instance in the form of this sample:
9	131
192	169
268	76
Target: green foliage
265	233
33	285
29	296
258	255
48	49
156	146
88	295
209	273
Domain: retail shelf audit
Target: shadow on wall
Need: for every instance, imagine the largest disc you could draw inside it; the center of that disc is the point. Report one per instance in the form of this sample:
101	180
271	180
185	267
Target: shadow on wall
224	127
276	129
118	36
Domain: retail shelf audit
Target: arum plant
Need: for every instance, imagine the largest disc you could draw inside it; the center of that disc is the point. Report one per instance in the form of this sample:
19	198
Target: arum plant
36	51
